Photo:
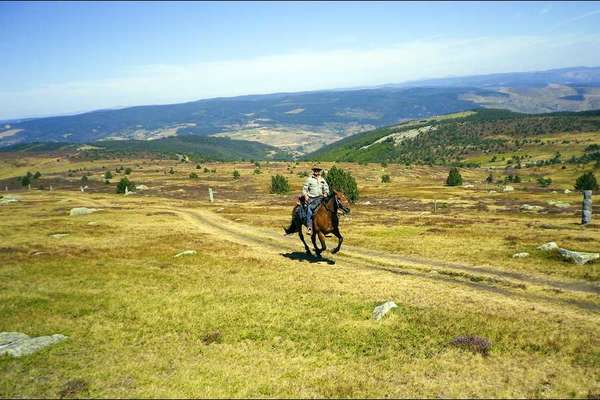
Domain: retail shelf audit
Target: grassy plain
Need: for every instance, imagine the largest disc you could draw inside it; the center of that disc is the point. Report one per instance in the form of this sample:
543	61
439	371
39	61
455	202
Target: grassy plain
251	316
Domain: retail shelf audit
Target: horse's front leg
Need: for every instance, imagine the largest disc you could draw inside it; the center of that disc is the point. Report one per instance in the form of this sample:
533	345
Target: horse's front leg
322	240
340	240
304	242
313	237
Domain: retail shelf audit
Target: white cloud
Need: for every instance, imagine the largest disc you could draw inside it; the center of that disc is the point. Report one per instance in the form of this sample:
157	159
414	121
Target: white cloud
307	70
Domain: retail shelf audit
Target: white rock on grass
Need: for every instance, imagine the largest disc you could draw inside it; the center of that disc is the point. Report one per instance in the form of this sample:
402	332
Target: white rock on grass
528	207
383	309
508	189
559	204
82	211
550	246
59	235
17	344
141	187
8	199
578	257
186	253
468	186
520	255
567	191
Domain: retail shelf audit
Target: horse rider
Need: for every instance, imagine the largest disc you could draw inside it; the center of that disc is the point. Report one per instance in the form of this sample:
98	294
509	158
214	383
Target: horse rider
314	189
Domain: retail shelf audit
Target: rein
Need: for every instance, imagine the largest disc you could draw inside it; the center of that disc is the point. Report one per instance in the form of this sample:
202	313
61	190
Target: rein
336	205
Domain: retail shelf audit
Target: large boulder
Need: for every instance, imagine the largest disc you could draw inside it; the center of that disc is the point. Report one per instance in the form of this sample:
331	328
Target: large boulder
383	309
82	211
578	257
17	344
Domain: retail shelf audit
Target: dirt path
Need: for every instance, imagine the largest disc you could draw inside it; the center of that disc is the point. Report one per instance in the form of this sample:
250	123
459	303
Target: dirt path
486	278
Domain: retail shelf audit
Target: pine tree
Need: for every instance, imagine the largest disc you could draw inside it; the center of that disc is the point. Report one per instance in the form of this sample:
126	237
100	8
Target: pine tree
454	178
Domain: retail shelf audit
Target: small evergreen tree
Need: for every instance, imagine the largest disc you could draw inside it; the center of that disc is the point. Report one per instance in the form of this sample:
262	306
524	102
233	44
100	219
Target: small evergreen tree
279	184
586	181
125	183
236	174
127	171
206	170
385	178
342	181
84	180
37	175
193	175
454	178
108	175
171	171
543	182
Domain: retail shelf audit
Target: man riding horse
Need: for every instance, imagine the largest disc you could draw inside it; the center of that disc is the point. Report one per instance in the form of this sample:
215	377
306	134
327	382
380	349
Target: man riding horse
314	190
322	208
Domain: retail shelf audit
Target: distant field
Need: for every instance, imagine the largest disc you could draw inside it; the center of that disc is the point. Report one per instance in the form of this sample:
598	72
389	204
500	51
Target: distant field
251	316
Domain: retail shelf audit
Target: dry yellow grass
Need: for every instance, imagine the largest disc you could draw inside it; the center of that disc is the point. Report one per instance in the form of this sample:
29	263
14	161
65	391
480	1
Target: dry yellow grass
141	322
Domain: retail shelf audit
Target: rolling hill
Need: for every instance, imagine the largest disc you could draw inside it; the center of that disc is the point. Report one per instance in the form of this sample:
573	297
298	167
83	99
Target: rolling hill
472	138
303	122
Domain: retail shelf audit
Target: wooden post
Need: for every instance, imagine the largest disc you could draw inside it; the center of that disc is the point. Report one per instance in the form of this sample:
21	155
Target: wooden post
29	187
586	209
50	187
210	195
126	191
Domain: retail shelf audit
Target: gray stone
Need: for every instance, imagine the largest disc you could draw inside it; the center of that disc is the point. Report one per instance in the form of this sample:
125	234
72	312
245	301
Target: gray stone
550	246
468	186
17	344
508	189
383	309
520	255
59	235
567	191
8	199
186	253
586	209
578	257
141	187
528	207
82	211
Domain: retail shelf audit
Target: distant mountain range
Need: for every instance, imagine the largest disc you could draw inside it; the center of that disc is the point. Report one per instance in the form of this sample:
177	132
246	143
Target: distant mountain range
303	122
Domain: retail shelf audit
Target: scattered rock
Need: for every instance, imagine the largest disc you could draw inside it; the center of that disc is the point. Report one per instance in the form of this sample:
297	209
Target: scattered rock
578	257
550	246
187	253
82	211
520	255
17	344
492	192
367	203
383	309
8	199
59	235
528	207
219	209
73	387
468	186
559	204
141	187
474	343
567	191
38	253
508	188
92	223
213	337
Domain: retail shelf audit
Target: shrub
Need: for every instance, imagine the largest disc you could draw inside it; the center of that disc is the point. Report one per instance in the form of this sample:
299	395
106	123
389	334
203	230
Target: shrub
236	174
303	174
385	179
198	166
37	175
125	183
171	171
84	180
26	180
454	178
543	182
206	170
257	171
193	175
586	181
279	184
108	175
342	181
490	178
127	171
384	164
517	179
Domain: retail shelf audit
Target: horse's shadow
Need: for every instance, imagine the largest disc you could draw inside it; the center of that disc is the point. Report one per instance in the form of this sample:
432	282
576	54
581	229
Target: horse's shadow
302	256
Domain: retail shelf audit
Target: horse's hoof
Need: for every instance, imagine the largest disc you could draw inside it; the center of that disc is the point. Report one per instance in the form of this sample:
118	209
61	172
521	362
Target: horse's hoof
334	251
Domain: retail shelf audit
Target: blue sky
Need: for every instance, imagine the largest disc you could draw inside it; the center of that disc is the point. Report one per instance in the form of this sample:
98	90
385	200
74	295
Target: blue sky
70	57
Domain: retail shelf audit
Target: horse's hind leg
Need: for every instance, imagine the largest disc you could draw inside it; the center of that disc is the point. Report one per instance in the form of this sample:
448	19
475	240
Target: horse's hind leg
340	240
303	241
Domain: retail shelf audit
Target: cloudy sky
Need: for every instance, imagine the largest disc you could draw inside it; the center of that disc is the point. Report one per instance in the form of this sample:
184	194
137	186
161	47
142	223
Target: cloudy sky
59	58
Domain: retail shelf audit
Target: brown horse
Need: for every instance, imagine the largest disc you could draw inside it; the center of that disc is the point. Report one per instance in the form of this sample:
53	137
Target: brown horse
325	221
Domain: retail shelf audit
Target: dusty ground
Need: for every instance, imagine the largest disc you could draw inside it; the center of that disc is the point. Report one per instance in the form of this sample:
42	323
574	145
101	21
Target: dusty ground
251	316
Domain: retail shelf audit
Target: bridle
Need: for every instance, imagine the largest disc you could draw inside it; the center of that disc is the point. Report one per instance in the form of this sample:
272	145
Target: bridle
337	206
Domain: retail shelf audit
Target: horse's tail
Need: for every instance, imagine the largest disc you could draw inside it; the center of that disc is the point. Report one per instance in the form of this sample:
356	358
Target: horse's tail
295	225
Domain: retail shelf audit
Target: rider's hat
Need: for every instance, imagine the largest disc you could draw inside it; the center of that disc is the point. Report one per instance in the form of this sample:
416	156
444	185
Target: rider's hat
315	167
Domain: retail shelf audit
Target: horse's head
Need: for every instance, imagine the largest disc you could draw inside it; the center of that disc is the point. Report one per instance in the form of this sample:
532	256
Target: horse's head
342	201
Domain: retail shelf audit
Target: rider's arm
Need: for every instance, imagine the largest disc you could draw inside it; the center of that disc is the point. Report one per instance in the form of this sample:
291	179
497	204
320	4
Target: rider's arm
325	188
305	187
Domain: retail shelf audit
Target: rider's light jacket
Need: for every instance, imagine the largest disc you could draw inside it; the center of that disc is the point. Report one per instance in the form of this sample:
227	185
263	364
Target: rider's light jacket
315	187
